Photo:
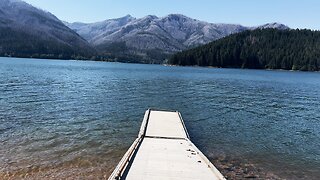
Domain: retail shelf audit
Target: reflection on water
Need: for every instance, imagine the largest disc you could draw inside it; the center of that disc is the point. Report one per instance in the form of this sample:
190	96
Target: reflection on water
64	119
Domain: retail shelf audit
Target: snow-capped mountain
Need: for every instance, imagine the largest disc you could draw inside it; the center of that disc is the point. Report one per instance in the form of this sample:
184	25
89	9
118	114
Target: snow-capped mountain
167	34
89	31
26	30
170	33
273	25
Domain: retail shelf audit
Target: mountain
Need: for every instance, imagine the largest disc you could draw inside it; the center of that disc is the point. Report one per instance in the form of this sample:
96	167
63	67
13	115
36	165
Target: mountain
93	30
258	49
26	31
153	38
272	26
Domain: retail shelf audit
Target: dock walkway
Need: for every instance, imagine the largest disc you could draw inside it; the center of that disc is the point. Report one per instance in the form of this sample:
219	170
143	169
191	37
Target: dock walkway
163	150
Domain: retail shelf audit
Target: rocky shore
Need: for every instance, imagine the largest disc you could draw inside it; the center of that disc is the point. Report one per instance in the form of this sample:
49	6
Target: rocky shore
233	168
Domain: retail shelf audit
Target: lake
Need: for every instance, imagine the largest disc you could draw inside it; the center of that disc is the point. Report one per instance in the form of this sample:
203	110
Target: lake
68	119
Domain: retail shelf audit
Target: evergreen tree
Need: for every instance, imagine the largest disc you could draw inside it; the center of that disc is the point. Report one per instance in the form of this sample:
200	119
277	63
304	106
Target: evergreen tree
258	49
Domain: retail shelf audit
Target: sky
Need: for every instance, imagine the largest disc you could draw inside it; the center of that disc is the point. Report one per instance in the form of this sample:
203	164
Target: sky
293	13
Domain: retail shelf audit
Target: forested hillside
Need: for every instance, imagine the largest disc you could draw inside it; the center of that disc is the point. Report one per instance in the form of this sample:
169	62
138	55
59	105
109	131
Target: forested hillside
26	31
153	39
258	49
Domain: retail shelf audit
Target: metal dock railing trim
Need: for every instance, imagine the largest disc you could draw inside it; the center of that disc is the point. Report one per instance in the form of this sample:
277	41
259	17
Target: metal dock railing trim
120	169
184	126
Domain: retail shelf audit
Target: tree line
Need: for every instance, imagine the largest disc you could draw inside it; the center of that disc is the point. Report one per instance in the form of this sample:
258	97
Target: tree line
17	43
258	49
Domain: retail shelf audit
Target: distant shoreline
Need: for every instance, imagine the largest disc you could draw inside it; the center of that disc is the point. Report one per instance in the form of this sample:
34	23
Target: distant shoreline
136	62
213	67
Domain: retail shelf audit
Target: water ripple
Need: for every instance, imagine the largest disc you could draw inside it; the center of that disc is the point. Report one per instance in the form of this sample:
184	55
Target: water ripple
65	119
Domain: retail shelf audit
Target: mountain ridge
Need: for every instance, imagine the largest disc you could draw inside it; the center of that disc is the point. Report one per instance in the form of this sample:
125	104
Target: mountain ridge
26	31
167	35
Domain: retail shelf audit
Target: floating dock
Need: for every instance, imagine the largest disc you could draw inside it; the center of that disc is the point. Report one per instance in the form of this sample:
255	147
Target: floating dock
163	150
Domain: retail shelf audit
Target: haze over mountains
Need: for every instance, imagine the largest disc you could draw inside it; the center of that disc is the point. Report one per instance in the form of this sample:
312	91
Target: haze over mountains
26	31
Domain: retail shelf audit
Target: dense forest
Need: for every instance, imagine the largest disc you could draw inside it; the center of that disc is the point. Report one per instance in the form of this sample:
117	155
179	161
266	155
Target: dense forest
26	31
258	49
120	52
21	44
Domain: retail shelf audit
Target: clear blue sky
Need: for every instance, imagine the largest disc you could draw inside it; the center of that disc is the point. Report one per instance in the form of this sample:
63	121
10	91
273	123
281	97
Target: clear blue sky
294	13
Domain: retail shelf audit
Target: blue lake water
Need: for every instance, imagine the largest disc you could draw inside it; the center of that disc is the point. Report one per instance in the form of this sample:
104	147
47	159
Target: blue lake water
66	119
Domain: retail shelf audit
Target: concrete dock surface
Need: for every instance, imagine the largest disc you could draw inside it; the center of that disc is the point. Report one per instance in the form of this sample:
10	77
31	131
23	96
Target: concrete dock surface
163	150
